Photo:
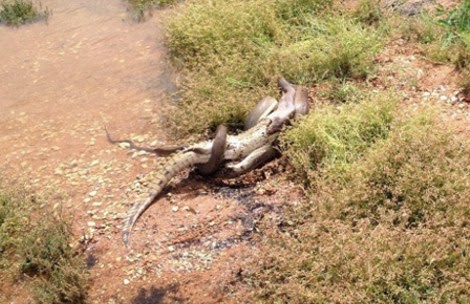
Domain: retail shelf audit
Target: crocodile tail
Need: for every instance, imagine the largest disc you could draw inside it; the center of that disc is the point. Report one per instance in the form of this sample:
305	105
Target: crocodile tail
134	213
171	167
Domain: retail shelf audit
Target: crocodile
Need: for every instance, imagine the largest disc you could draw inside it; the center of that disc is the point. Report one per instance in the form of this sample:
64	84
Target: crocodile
241	152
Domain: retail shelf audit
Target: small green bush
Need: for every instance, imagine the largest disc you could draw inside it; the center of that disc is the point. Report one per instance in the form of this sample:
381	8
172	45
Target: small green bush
36	243
331	139
11	223
327	48
330	262
343	91
16	12
419	176
458	19
457	38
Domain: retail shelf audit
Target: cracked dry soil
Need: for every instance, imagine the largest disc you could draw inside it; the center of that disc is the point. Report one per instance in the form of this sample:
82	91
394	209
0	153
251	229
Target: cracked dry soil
91	66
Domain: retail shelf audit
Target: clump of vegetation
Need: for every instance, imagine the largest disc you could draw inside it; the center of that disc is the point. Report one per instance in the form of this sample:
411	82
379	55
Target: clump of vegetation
16	12
457	39
35	248
369	12
387	219
139	8
233	52
330	139
342	92
458	20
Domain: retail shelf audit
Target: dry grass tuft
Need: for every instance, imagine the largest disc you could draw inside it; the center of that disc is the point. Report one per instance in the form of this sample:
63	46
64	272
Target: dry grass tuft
140	8
35	249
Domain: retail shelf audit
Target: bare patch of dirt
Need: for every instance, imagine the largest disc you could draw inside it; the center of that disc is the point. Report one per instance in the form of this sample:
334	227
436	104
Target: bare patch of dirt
92	66
421	82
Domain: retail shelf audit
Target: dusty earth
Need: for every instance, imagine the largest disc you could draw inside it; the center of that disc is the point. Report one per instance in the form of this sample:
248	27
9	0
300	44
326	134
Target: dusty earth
91	66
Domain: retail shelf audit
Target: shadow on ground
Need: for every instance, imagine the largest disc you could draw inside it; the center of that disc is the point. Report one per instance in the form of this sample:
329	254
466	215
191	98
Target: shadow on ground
155	295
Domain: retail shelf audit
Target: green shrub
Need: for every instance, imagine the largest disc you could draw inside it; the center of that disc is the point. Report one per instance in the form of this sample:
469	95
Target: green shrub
330	262
457	38
16	12
418	176
330	140
327	48
36	243
233	52
458	19
12	221
343	91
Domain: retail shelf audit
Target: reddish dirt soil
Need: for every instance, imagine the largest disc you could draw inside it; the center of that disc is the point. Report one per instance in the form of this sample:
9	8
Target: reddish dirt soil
63	81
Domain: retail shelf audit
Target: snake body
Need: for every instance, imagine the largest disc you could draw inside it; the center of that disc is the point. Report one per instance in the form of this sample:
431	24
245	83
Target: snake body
217	152
261	110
